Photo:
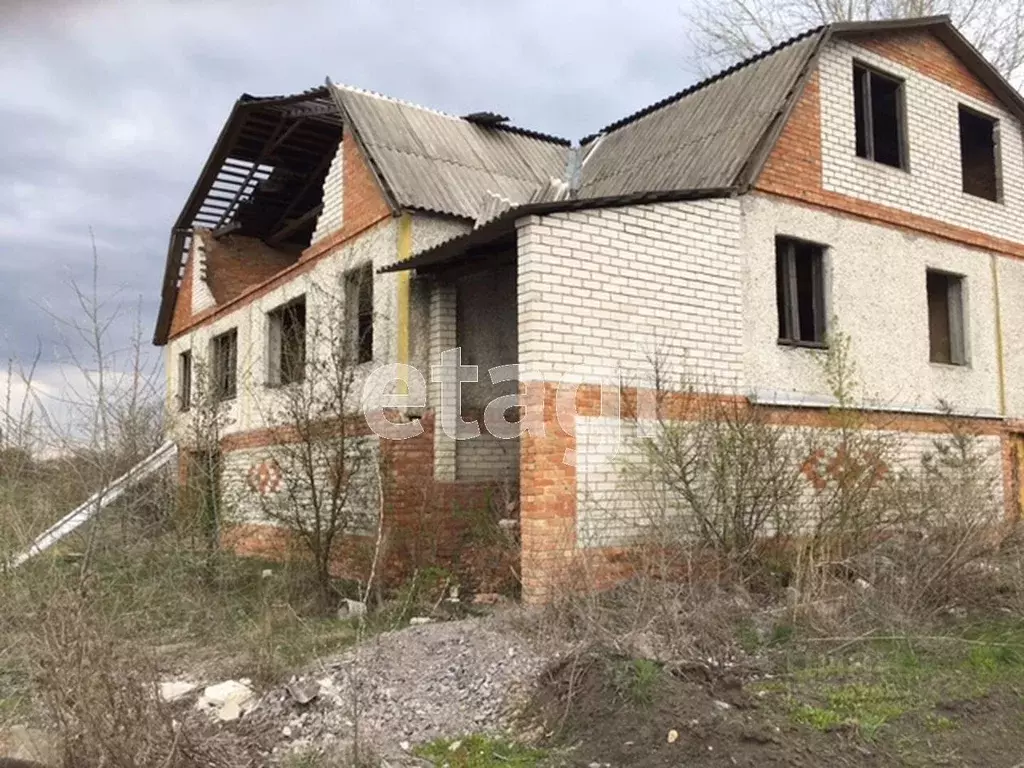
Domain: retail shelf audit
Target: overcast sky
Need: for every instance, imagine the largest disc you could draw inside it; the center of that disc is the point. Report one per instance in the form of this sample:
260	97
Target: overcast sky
108	109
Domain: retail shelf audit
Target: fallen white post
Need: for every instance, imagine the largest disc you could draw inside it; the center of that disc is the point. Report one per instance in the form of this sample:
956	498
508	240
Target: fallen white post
80	515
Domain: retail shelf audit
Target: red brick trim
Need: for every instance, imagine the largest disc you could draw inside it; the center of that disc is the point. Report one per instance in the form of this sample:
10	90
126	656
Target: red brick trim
793	171
923	52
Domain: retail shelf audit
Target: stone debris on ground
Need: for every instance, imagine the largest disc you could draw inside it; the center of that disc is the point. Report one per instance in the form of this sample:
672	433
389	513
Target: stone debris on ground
303	691
229	700
437	680
176	690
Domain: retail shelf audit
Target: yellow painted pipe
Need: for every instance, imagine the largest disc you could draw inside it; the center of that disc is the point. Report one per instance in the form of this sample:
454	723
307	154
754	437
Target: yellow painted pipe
403	296
1000	362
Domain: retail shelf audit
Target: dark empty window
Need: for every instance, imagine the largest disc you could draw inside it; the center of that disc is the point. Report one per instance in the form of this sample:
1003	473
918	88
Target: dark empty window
946	318
224	353
287	341
359	307
185	380
978	155
878	112
800	291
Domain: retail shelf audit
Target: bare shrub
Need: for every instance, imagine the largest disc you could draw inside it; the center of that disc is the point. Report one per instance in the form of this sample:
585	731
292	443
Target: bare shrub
838	527
726	477
330	469
945	531
103	699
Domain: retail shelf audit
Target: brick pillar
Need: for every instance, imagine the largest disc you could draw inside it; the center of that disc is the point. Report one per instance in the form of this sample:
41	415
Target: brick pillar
442	337
547	498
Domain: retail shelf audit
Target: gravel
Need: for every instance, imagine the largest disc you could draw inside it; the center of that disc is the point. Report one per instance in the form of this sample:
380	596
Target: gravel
440	680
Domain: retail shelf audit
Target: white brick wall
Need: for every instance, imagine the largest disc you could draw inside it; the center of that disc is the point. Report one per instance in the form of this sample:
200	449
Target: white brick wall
332	215
202	297
602	291
933	186
875	290
487	458
257	405
442	338
613	507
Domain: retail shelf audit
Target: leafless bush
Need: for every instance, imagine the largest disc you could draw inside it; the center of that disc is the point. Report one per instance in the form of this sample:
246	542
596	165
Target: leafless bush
102	696
840	526
331	474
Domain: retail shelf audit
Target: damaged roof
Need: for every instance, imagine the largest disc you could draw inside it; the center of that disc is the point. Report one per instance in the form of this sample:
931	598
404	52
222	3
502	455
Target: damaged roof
434	162
265	173
262	179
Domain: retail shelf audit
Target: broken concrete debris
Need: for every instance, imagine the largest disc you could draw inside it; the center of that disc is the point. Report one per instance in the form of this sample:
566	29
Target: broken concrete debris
229	700
303	691
351	609
171	691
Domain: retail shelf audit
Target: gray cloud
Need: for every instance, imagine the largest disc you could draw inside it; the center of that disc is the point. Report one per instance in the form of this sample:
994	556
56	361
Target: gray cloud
108	109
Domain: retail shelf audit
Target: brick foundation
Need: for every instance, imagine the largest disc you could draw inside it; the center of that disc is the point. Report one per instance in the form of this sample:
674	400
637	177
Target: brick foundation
426	523
552	557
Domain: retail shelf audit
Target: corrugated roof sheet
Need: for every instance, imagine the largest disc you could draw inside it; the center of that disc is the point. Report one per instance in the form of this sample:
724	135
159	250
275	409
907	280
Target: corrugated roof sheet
437	162
702	137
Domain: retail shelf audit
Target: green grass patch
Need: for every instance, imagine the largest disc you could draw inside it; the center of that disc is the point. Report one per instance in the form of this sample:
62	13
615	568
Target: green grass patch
481	752
208	607
878	682
636	680
866	708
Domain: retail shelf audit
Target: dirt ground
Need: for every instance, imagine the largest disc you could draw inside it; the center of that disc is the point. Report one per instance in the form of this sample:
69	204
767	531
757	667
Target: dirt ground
691	717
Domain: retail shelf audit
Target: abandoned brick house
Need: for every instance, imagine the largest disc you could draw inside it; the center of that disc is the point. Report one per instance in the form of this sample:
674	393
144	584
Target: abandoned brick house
869	175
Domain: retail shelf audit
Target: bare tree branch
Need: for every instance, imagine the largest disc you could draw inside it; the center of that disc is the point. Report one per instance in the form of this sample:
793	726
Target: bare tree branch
725	31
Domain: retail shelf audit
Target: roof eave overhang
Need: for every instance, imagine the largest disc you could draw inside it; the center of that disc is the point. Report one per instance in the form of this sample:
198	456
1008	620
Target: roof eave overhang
483	238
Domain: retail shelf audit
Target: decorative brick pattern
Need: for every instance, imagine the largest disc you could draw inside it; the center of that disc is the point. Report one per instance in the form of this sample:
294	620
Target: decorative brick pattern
615	505
425	522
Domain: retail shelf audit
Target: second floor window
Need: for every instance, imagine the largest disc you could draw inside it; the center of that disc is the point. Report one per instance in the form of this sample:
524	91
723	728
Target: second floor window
978	154
185	380
224	368
800	291
359	311
946	318
879	117
286	338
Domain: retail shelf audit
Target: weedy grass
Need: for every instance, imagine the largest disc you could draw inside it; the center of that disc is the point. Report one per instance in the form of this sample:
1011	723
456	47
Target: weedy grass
885	680
480	751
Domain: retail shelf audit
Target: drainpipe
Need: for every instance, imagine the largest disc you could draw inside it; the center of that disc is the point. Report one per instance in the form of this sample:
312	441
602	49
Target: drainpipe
1000	362
403	290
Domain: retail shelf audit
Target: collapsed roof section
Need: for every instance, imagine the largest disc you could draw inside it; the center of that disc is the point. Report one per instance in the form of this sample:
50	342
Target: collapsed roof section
265	176
263	179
